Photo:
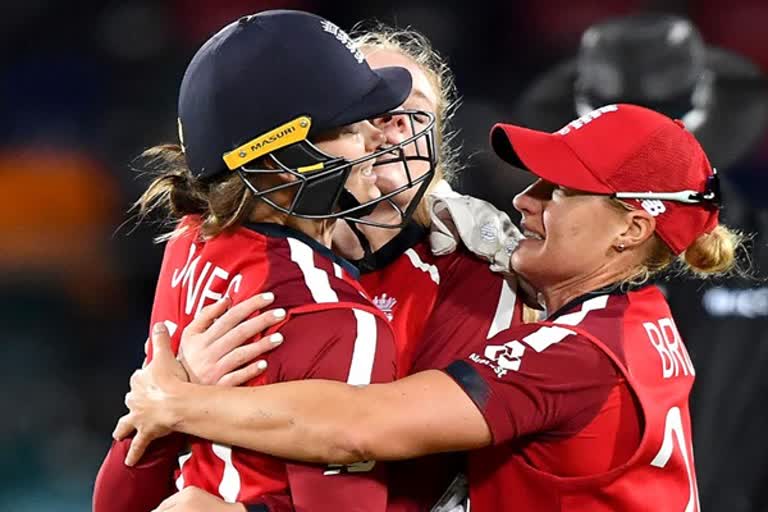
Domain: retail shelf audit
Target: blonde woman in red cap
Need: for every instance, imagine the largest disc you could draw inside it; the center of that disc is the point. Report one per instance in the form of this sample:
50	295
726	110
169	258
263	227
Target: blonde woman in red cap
584	411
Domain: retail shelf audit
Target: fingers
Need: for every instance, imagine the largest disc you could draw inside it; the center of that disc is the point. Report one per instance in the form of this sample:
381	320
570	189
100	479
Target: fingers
139	445
146	353
136	379
205	318
239	312
245	354
245	331
243	375
161	342
124	428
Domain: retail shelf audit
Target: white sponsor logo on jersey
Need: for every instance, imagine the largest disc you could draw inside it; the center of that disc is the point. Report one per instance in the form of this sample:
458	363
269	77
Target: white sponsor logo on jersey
507	357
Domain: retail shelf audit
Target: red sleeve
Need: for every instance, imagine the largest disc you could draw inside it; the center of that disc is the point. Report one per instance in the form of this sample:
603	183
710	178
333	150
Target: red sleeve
473	303
141	488
351	346
536	379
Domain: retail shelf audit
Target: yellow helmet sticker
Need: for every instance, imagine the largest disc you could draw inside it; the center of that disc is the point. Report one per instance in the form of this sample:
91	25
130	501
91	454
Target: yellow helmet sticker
310	168
284	135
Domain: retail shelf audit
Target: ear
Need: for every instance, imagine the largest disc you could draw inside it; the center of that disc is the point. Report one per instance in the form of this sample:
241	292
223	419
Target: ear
276	178
640	226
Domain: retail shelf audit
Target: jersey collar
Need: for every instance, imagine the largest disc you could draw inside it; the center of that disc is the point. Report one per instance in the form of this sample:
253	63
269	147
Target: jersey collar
611	289
409	236
280	231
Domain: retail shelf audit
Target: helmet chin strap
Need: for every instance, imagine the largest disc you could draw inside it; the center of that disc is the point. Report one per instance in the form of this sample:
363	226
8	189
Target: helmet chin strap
368	262
348	201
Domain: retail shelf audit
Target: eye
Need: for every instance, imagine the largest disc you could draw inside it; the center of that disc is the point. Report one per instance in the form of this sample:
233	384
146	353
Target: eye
421	118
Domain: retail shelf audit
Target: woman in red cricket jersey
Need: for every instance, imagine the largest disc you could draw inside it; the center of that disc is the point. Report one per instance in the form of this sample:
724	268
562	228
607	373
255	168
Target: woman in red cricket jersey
587	410
276	146
423	295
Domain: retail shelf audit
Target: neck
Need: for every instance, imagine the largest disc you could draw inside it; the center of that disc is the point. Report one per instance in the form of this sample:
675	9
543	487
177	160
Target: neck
319	230
560	294
346	243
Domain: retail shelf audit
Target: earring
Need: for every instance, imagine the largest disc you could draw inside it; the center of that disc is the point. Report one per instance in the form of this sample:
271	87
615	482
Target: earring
620	247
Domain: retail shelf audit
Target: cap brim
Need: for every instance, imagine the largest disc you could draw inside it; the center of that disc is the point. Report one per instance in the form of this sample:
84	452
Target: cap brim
546	155
393	87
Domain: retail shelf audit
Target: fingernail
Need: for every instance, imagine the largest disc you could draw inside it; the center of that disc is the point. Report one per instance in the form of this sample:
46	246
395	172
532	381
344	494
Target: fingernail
261	365
276	339
159	328
269	296
279	313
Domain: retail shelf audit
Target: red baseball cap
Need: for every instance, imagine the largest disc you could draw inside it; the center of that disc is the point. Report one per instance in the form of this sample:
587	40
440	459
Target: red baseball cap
630	153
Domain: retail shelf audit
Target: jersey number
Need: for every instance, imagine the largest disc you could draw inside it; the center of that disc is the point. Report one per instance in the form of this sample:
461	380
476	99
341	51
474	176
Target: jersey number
673	429
229	486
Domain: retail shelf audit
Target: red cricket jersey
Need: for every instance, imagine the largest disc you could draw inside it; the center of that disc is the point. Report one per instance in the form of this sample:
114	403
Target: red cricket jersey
332	331
437	306
588	410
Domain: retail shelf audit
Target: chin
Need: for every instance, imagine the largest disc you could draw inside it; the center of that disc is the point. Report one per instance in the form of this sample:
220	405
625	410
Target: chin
387	186
391	176
525	265
373	193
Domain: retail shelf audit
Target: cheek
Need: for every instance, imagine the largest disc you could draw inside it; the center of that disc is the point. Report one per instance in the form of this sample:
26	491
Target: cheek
349	147
355	149
577	241
567	227
391	175
417	147
361	187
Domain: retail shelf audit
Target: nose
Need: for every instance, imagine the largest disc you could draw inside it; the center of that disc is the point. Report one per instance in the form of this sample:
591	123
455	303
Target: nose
529	201
395	127
374	137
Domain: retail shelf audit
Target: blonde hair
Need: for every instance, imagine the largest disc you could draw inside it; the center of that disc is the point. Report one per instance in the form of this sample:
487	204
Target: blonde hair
714	253
417	48
711	254
220	203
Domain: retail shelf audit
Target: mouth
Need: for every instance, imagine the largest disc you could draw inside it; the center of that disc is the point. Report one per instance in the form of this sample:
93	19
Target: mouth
388	156
367	172
530	235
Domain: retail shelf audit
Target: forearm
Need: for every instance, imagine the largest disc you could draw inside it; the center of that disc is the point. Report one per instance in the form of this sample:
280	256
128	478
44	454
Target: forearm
142	487
281	420
332	422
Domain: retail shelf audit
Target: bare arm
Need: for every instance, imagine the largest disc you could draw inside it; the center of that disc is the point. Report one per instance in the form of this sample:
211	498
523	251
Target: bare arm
309	420
327	421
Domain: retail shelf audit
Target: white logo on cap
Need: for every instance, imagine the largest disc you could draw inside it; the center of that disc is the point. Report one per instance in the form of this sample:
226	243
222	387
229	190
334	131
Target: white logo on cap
344	39
586	119
653	206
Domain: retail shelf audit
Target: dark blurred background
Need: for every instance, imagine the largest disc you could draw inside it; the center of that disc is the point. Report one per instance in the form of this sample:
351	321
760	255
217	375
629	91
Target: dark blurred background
85	86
